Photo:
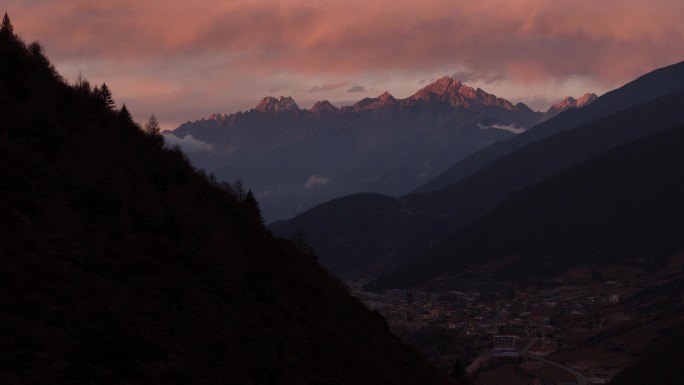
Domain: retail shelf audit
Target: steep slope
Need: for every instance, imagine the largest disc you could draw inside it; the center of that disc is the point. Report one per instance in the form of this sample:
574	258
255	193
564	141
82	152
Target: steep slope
295	158
621	207
122	264
452	207
647	87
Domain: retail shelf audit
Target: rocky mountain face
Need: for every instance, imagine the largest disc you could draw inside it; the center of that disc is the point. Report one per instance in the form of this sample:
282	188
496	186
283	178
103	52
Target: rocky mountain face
567	103
456	93
295	158
282	104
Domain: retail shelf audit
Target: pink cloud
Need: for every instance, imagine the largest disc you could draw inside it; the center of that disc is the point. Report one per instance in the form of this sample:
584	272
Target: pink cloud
352	35
328	86
180	47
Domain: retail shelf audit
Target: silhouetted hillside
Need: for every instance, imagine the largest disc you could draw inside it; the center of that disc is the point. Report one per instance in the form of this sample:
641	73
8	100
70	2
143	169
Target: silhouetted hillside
122	264
624	206
481	191
362	235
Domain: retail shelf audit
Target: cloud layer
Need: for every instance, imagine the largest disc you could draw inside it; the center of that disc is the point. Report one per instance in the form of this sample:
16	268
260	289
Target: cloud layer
206	54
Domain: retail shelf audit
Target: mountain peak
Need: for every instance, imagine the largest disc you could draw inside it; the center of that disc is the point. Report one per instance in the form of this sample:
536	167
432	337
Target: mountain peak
323	106
569	102
383	100
447	89
386	97
442	86
586	99
271	104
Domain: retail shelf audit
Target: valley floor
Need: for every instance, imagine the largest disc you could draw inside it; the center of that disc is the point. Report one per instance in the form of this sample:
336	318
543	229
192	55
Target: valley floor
584	327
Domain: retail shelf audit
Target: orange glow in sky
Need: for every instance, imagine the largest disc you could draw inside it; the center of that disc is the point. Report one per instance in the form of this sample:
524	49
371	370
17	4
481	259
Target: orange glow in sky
184	60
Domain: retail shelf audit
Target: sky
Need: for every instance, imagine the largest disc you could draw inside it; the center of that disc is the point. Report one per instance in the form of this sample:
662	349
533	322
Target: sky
184	60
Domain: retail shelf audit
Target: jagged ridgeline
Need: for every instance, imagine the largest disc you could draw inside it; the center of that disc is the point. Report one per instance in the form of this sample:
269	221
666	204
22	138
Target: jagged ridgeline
120	263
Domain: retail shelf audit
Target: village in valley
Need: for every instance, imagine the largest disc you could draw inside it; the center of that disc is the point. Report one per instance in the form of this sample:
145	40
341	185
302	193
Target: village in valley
560	334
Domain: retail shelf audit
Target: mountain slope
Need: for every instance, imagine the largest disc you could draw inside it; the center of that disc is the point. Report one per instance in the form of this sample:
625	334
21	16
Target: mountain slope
363	235
122	264
453	207
481	191
295	158
621	207
647	87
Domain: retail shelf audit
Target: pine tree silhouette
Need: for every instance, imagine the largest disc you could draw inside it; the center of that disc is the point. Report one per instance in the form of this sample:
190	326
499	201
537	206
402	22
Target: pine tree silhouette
253	208
6	30
125	115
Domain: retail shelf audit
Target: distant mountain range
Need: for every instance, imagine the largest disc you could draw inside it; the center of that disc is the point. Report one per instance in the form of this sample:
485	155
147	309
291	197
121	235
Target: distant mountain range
295	158
406	227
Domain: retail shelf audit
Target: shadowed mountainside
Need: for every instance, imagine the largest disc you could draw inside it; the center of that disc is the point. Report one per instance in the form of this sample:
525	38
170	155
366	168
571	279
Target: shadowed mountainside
624	207
122	264
641	90
426	218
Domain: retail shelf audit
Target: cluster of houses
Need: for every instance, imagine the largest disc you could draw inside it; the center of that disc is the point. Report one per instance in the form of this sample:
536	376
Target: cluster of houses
525	324
527	315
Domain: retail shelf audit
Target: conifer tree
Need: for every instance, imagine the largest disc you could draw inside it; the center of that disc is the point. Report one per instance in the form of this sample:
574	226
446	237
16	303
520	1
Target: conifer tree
38	55
252	206
6	29
125	115
105	97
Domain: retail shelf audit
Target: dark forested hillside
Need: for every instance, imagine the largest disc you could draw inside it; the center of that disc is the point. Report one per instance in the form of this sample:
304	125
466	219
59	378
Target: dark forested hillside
622	207
122	264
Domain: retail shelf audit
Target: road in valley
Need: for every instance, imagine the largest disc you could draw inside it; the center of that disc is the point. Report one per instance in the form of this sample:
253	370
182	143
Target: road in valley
581	380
